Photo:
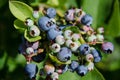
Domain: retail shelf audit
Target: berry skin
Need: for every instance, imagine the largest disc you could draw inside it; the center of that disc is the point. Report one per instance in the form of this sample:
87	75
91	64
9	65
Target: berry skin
55	47
22	48
39	57
45	24
89	57
49	68
68	34
53	33
64	54
69	16
34	45
87	20
29	50
107	47
74	46
100	37
95	53
51	12
74	65
97	59
100	30
68	42
29	22
90	66
75	36
35	14
91	38
31	70
82	70
60	40
55	76
84	49
34	31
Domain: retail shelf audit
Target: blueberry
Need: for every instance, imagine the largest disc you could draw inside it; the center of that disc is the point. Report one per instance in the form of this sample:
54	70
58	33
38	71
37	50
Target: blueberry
49	68
92	38
60	40
97	59
89	57
45	23
82	70
55	47
68	42
74	46
51	12
55	76
100	37
87	20
29	22
69	16
95	53
64	54
34	45
84	49
34	31
53	33
38	58
29	50
74	65
22	48
31	70
36	14
68	34
107	47
90	66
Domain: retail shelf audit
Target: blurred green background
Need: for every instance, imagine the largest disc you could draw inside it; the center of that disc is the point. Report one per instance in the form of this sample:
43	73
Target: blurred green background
105	13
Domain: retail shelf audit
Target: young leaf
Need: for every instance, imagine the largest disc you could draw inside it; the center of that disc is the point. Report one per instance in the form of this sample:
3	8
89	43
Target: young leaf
19	25
113	27
20	10
29	38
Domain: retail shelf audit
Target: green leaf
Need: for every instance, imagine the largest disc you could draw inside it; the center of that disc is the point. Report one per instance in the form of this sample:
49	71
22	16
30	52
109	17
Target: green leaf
2	60
53	2
93	75
19	25
29	38
113	27
20	10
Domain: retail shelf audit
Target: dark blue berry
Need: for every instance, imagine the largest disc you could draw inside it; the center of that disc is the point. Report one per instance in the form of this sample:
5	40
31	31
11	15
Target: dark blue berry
45	23
84	49
97	59
95	53
31	70
38	58
82	70
64	54
74	65
53	33
87	20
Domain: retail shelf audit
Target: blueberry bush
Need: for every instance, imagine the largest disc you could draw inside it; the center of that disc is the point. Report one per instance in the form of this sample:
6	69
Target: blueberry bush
59	40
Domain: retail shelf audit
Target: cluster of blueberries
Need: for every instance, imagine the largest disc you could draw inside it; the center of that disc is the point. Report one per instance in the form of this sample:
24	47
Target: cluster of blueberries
74	39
